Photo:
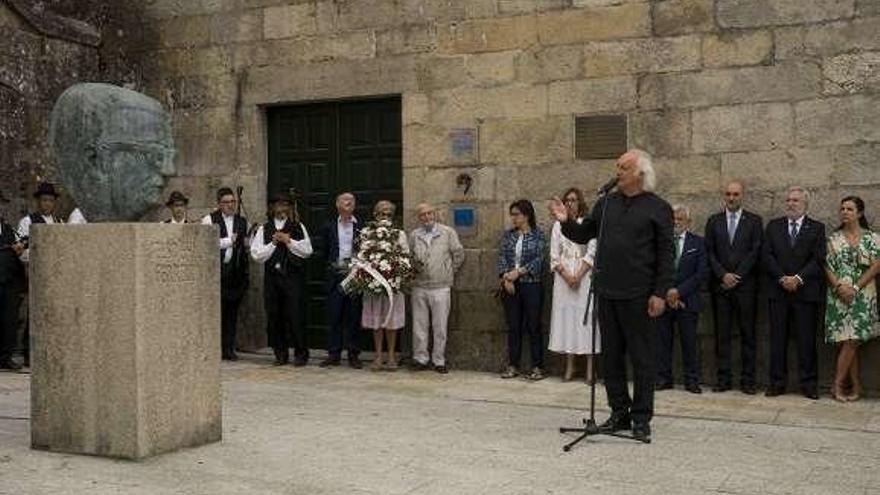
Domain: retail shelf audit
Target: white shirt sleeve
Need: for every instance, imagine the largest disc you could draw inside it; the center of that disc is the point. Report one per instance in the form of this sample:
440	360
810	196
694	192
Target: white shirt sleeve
76	217
555	245
260	251
24	230
301	248
403	242
225	242
590	254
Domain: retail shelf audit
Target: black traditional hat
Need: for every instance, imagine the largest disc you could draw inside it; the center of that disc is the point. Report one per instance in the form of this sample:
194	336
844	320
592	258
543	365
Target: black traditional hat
176	196
46	189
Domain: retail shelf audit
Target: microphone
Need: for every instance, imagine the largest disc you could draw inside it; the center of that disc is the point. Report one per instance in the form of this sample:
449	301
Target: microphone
611	184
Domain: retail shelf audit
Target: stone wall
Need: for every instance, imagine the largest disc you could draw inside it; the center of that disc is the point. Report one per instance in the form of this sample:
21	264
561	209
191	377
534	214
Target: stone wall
772	91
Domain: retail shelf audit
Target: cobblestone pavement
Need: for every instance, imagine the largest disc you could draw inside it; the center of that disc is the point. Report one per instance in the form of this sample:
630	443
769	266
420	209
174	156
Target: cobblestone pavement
317	431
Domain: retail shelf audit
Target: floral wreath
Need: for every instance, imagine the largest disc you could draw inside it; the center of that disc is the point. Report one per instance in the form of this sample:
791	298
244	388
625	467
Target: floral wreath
380	261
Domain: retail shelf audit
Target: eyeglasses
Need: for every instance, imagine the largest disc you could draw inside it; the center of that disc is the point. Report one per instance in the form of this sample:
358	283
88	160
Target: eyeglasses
570	200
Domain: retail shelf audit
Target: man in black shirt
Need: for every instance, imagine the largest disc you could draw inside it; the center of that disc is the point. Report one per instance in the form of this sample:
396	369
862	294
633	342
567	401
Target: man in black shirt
634	271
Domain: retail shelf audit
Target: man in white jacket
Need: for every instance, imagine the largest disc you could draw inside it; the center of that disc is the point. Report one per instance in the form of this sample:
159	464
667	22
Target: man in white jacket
438	254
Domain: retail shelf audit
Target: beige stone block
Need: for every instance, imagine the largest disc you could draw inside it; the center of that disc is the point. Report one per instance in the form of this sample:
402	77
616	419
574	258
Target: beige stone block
540	182
553	63
661	133
570	26
638	56
488	35
828	39
413	38
694	174
527	141
771	170
343	46
742	128
616	94
846	120
212	121
164	9
197	92
331	79
852	165
730	86
431	145
203	155
366	14
437	185
443	10
683	16
435	73
602	3
236	27
465	105
290	21
738	48
416	108
852	73
477	273
868	7
491	69
212	61
125	323
184	31
753	13
509	7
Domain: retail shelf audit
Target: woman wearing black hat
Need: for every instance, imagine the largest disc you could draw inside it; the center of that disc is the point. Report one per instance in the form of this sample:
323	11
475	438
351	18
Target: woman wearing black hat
282	244
177	203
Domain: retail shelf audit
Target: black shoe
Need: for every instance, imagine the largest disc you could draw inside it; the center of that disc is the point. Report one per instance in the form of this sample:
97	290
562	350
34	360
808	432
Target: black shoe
748	389
9	364
330	361
663	386
721	387
417	366
642	432
442	369
618	421
773	391
299	362
355	363
810	393
693	388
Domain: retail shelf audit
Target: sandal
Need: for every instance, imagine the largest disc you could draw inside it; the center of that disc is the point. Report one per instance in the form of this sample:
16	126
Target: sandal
391	366
510	372
377	365
836	395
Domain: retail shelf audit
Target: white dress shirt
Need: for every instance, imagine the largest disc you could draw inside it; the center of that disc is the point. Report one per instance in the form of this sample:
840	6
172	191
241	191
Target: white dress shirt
261	251
225	242
737	216
24	230
175	222
345	234
76	217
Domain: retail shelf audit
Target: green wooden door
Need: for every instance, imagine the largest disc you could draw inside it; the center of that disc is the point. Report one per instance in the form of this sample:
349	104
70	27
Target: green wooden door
321	150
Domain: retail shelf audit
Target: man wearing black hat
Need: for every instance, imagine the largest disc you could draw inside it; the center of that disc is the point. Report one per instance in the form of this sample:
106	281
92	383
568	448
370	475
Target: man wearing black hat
234	265
177	203
282	244
46	197
11	286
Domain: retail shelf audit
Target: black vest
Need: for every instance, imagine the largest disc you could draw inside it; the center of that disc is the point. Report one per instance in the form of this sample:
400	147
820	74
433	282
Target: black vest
234	275
282	261
11	268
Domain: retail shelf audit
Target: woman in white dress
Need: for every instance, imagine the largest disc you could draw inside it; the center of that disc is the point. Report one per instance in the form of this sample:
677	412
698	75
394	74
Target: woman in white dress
572	266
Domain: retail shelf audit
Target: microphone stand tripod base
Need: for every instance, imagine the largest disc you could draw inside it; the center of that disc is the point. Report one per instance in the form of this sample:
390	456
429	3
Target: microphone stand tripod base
590	429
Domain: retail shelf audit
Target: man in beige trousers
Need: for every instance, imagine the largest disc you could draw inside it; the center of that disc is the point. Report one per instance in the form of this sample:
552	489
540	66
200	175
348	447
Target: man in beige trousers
438	254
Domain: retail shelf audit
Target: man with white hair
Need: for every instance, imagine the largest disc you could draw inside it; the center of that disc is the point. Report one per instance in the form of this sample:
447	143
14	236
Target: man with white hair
794	255
438	255
633	274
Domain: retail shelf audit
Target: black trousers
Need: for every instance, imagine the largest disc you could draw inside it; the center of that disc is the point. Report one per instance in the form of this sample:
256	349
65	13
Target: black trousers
687	333
284	324
345	319
787	317
738	306
523	313
627	329
9	303
228	323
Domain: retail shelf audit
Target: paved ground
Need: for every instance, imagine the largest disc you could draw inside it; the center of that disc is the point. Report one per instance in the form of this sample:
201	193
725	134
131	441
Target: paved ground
315	431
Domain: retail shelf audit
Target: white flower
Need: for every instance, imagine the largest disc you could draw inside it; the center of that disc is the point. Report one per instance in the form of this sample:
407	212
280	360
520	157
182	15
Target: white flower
384	265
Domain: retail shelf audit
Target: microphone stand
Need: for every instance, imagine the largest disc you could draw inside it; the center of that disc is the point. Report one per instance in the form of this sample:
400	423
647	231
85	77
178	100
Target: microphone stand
590	427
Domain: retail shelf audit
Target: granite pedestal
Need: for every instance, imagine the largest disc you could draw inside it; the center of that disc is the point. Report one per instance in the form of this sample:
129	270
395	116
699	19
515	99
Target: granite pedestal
125	338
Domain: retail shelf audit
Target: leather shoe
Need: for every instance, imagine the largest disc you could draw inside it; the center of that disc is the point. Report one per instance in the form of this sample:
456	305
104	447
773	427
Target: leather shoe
693	388
642	432
417	366
299	362
616	422
748	389
663	386
810	393
355	363
774	391
721	387
329	362
442	369
9	364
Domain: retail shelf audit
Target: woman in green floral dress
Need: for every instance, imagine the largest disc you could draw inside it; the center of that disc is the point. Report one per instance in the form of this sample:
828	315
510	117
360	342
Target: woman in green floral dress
852	264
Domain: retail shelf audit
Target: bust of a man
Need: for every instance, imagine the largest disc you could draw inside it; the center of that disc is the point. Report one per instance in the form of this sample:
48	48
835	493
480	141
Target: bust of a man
113	148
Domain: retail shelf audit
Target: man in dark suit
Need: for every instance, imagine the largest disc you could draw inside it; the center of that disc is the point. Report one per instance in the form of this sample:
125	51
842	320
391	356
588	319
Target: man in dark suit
340	245
683	304
12	281
793	255
733	243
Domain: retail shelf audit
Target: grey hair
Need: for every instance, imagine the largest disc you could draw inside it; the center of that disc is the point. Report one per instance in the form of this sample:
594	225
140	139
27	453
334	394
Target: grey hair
646	167
802	191
682	208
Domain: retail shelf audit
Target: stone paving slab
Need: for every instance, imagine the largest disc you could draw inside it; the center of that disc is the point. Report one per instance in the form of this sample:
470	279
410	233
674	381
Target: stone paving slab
317	431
